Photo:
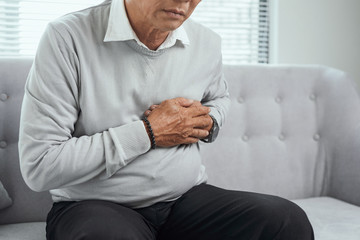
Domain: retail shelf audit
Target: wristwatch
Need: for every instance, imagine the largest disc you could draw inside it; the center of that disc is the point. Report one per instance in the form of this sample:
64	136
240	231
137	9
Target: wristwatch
214	131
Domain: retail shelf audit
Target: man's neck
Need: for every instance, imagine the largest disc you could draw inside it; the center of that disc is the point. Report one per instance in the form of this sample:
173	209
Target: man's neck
152	38
147	34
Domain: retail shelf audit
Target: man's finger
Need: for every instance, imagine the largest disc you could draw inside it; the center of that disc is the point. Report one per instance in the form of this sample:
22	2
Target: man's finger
202	122
184	102
197	111
191	140
199	133
153	107
147	113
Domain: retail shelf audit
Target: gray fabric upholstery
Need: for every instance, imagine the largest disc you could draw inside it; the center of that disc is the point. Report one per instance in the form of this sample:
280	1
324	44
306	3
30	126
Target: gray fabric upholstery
345	171
27	205
289	131
292	131
23	231
332	219
5	200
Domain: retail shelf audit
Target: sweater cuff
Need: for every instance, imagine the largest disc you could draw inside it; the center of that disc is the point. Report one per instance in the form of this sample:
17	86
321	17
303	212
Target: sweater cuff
215	114
130	141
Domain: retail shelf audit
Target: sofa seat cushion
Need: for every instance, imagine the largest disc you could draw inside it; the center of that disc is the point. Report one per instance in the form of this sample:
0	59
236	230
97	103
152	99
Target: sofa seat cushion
332	219
22	231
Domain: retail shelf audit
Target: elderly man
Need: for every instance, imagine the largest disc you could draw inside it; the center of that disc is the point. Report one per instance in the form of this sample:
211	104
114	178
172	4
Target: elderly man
115	104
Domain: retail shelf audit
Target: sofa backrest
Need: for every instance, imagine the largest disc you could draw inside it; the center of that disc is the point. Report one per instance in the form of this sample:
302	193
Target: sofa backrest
279	137
284	130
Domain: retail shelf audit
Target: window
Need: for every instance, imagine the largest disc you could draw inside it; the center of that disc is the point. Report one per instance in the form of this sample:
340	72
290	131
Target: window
23	22
243	25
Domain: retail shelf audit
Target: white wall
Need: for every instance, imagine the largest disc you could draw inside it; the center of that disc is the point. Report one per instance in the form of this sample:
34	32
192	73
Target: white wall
317	32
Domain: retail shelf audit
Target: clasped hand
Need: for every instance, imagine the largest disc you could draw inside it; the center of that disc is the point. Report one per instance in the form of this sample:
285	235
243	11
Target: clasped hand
179	121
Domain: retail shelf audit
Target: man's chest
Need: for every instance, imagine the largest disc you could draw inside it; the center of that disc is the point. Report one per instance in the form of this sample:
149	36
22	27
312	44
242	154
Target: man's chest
119	92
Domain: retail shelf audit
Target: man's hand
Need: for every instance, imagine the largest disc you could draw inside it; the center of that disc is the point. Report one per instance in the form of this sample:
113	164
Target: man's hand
179	121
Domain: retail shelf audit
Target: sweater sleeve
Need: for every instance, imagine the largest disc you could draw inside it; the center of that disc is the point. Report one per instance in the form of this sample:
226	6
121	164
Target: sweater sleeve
50	157
217	94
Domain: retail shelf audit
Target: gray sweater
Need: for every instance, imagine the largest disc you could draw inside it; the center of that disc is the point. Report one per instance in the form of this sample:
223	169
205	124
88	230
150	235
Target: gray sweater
81	136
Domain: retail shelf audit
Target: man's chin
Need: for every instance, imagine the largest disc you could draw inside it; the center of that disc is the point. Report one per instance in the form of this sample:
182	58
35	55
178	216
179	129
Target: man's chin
171	25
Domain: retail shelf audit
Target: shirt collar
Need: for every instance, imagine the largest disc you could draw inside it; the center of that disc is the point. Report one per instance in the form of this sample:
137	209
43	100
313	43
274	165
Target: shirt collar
119	28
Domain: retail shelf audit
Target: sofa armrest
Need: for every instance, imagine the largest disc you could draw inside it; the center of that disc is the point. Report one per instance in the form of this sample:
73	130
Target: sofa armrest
345	170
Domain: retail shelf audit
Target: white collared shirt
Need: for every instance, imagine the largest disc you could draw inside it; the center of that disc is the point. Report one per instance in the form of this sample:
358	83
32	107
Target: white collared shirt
119	28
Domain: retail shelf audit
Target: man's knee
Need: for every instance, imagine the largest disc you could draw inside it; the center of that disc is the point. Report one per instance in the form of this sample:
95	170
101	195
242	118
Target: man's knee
90	220
95	228
283	219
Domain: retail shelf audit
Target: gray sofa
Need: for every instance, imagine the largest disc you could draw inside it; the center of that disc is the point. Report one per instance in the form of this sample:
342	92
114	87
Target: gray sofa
292	131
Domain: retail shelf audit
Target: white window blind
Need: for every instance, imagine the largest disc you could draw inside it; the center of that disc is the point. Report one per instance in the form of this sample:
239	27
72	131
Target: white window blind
23	22
243	25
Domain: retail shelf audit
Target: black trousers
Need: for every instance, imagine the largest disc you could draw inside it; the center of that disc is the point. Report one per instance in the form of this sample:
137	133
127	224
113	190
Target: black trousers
203	213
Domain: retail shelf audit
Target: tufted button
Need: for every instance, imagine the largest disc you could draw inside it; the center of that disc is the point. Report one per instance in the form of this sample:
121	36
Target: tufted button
316	137
312	97
3	97
245	138
281	137
241	100
278	99
3	144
